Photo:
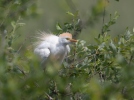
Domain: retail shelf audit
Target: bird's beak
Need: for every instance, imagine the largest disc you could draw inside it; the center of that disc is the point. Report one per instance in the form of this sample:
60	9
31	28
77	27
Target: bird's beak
73	40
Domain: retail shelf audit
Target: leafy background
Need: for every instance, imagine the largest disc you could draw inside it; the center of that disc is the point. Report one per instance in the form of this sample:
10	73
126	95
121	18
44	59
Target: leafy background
100	65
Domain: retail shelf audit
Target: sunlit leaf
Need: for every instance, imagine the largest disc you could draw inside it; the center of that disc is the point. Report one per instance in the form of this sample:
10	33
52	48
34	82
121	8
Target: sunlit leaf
112	45
58	27
69	13
13	24
21	24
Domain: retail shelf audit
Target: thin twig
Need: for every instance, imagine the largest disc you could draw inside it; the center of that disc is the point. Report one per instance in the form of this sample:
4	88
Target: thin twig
49	97
21	71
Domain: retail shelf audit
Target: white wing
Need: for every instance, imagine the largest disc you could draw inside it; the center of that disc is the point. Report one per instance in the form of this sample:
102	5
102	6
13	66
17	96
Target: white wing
42	50
44	54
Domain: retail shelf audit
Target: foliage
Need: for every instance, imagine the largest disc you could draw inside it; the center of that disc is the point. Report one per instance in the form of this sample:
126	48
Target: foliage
11	10
103	71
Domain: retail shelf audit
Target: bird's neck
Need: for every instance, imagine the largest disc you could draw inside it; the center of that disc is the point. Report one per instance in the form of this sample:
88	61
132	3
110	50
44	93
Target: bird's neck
62	42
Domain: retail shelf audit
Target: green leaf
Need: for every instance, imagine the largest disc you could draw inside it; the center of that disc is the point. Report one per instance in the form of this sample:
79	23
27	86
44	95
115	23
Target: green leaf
128	35
97	40
69	13
21	24
121	41
113	46
101	46
58	27
116	15
13	24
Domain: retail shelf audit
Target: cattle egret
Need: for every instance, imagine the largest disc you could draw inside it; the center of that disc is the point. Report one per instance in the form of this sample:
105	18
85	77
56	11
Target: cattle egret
53	47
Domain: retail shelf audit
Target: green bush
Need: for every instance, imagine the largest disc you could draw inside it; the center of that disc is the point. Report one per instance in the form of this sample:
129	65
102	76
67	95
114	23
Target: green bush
103	71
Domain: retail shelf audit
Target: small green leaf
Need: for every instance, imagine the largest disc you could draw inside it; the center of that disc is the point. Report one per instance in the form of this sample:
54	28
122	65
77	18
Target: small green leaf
112	46
58	27
121	41
69	13
101	46
128	35
116	15
97	40
21	24
13	24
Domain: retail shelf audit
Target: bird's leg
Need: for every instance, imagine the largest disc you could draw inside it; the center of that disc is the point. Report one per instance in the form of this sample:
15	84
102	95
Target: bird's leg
43	63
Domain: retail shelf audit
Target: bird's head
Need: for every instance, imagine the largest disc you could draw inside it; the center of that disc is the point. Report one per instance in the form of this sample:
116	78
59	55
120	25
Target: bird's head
66	38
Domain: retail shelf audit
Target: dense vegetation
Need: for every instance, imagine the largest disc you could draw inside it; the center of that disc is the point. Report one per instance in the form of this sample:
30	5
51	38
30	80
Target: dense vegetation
100	71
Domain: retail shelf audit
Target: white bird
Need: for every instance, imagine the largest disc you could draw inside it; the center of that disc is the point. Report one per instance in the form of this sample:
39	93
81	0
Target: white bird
53	47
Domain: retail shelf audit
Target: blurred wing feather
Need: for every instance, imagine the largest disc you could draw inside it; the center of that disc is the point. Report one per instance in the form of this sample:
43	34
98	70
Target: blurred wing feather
43	53
42	50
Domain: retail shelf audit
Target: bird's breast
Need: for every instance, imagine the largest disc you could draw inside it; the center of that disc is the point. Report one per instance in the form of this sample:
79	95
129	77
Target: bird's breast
58	52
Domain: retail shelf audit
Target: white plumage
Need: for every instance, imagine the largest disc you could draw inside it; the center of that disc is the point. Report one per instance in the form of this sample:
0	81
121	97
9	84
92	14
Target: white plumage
53	47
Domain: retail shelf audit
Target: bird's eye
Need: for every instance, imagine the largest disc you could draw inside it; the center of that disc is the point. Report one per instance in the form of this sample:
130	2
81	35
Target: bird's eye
67	38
